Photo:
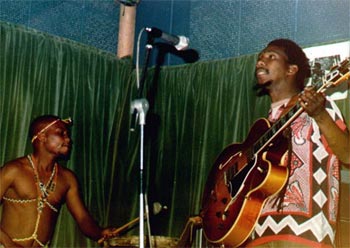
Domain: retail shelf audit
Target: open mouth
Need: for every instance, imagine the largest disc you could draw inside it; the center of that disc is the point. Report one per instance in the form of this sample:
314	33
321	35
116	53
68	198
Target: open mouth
261	71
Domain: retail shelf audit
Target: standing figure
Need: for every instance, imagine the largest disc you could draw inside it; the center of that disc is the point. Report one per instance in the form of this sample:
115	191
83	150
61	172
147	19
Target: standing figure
304	213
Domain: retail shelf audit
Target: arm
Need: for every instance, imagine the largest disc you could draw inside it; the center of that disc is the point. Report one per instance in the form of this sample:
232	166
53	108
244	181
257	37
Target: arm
80	213
6	178
338	139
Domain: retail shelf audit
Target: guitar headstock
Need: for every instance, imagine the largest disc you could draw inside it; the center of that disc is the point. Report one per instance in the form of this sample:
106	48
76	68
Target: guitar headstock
337	74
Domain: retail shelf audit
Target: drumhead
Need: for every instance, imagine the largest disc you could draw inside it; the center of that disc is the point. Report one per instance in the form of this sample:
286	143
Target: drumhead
133	241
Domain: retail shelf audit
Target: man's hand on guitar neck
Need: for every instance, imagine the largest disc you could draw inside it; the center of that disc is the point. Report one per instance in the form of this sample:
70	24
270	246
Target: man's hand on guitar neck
338	140
312	102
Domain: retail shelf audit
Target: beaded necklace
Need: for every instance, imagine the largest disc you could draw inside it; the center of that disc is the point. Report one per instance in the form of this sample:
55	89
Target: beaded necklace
44	190
43	193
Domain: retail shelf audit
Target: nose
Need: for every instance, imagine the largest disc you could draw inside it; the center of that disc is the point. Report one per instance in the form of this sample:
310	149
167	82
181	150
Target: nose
67	139
260	62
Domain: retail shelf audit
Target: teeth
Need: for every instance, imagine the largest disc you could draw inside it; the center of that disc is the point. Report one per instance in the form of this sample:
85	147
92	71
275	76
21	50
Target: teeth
261	71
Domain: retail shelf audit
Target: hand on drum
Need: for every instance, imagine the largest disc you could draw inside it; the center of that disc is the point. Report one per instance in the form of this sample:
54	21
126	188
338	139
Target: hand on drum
108	233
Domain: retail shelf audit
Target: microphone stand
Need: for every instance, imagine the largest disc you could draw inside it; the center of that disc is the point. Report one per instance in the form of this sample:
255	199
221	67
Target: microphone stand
139	108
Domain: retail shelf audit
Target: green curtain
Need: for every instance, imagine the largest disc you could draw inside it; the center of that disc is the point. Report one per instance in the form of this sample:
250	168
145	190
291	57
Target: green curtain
195	111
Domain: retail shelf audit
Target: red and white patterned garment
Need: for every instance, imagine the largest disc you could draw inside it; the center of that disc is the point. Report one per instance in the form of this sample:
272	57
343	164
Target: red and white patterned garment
310	202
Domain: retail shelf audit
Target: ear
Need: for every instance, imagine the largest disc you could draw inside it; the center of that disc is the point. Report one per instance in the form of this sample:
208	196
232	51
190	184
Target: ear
41	137
292	70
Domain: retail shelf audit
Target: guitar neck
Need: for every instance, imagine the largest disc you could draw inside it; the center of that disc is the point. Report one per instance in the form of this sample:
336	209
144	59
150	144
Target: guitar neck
337	75
277	128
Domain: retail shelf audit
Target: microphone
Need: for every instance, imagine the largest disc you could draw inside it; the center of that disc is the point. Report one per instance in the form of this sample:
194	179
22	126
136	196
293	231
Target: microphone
179	42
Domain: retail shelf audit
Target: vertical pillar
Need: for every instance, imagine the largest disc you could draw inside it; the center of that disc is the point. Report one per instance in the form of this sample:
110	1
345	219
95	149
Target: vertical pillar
126	34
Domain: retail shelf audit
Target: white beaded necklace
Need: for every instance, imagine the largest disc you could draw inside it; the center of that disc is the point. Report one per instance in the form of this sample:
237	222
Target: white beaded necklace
50	185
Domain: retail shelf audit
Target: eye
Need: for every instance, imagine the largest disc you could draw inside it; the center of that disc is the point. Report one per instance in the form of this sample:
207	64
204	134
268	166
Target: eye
267	55
61	132
272	56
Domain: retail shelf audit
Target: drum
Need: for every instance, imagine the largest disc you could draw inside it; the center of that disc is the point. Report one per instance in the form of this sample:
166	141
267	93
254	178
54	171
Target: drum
133	241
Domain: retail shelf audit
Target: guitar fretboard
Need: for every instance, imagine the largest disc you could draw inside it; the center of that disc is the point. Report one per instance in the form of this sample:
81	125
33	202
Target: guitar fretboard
337	75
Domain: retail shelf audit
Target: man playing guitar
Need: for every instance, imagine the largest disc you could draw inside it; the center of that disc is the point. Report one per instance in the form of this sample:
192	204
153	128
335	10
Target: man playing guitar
306	211
281	185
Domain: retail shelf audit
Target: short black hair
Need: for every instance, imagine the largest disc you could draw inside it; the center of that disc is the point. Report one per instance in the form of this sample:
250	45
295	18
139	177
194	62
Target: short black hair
39	122
296	56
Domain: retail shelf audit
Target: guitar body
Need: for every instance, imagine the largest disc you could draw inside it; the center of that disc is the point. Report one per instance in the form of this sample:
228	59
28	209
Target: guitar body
239	184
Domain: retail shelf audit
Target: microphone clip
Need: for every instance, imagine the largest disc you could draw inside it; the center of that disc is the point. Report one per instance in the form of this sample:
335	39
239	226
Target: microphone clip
179	42
138	109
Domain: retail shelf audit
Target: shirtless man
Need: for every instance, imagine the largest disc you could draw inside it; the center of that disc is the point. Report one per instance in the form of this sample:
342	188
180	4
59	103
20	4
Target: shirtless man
33	188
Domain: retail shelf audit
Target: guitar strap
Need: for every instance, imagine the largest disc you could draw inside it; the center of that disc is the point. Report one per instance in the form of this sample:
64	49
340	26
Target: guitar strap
288	134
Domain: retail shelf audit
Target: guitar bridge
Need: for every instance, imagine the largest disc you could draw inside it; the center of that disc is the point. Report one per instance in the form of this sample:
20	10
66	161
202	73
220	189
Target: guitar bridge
222	215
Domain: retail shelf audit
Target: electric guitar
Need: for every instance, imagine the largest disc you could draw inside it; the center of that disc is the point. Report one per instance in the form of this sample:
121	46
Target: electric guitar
246	174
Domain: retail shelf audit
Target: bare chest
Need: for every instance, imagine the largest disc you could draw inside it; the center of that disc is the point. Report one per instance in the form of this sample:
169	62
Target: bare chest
27	187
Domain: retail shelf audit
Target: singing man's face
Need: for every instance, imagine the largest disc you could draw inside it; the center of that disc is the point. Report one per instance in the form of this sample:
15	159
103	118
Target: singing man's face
271	65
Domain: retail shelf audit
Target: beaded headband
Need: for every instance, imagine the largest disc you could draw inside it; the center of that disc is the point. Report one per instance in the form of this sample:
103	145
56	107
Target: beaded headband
67	121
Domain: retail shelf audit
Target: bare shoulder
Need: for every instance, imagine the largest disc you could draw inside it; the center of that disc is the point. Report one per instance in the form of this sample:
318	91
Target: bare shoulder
67	175
66	172
14	167
11	173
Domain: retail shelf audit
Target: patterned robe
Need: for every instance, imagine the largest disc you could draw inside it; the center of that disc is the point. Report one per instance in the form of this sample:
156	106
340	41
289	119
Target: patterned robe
310	202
